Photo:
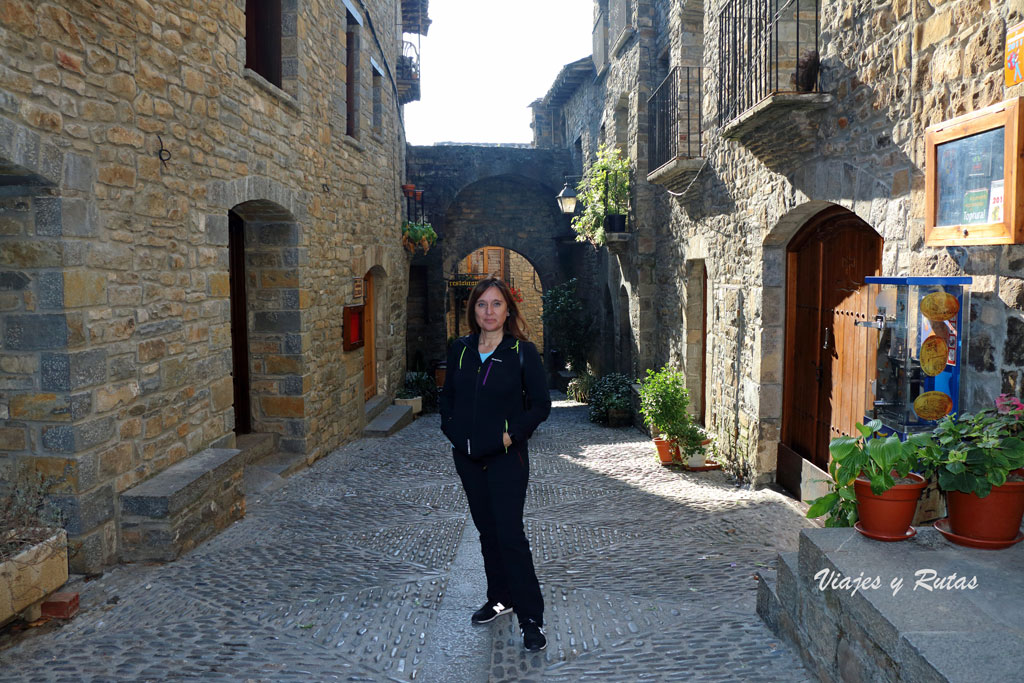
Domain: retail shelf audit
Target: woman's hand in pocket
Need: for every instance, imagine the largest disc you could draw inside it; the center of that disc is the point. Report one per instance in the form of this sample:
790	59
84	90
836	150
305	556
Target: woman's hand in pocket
506	439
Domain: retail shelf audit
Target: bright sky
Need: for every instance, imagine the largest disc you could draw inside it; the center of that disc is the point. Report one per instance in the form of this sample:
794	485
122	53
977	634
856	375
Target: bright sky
484	61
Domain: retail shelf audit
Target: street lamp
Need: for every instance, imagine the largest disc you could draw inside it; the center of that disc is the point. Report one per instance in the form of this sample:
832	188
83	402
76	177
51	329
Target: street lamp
567	200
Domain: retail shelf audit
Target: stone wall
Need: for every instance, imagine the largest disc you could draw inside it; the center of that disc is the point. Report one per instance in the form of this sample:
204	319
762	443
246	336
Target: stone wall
890	71
129	132
526	281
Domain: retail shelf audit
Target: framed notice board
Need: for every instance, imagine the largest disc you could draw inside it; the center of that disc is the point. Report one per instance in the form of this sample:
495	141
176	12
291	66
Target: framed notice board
973	189
352	331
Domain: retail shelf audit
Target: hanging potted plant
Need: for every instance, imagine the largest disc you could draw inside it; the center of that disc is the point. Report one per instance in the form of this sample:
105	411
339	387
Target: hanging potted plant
978	459
418	234
604	193
873	488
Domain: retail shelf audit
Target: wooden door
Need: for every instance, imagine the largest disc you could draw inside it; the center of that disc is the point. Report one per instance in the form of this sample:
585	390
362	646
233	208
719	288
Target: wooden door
239	323
826	351
370	342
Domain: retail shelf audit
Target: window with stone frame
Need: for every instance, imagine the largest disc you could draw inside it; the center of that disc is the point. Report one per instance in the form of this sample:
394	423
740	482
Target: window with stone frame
263	39
352	56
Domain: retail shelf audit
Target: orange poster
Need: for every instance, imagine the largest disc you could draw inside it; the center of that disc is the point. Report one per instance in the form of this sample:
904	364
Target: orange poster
1014	53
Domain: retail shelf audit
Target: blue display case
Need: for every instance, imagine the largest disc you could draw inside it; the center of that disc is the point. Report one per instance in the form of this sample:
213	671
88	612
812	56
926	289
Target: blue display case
919	331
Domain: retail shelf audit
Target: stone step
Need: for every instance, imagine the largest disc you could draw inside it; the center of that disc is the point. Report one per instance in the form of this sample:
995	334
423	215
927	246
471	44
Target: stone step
388	422
182	506
270	472
375	406
255	447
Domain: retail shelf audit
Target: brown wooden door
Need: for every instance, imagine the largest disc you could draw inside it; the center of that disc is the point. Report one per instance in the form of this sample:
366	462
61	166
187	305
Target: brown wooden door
826	352
369	343
239	323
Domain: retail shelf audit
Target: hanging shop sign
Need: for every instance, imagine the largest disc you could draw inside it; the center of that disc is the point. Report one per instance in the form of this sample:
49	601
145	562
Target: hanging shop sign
973	177
463	281
1014	53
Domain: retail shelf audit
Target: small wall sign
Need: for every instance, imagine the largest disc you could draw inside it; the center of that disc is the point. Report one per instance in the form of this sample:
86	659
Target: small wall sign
1014	52
357	289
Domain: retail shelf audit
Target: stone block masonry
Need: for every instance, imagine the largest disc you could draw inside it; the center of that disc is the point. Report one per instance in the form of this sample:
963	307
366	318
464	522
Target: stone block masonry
128	135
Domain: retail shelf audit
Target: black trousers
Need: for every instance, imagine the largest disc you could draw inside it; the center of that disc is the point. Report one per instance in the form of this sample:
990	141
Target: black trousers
496	489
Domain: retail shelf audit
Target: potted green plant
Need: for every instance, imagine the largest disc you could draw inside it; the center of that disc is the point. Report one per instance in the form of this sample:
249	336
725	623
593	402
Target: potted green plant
872	488
418	234
604	194
663	403
33	549
419	391
611	391
978	460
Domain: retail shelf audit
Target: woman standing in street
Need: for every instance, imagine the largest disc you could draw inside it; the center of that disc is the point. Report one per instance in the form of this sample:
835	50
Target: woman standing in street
495	394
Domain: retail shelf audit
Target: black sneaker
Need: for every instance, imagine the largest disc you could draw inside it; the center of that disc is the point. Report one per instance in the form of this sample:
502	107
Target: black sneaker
534	639
489	612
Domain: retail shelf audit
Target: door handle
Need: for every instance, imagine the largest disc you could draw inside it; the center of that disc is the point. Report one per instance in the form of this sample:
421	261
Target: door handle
826	346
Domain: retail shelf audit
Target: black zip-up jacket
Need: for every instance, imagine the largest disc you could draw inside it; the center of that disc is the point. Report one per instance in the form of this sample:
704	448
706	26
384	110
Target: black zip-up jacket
480	401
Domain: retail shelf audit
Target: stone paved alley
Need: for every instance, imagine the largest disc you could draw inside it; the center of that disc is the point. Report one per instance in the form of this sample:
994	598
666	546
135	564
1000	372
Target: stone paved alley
367	567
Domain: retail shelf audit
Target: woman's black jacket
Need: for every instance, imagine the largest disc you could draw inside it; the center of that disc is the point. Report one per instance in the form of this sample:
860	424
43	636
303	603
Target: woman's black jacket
480	401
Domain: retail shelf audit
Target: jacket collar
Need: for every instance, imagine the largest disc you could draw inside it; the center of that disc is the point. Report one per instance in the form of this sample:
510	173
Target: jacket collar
472	340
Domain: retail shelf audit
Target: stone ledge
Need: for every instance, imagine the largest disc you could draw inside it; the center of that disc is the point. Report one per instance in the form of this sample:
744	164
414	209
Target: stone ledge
182	506
390	420
676	174
914	635
771	109
617	242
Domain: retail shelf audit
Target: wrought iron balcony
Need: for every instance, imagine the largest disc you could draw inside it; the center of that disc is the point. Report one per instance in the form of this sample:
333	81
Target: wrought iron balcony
674	129
407	74
768	58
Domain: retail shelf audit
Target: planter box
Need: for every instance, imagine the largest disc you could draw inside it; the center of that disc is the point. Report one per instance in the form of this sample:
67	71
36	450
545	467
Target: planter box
416	402
30	576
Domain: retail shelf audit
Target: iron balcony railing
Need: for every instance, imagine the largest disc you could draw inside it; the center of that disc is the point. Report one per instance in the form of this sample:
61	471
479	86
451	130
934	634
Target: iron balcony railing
674	117
765	47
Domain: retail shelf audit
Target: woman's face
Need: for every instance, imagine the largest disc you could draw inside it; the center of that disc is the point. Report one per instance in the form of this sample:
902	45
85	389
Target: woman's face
491	310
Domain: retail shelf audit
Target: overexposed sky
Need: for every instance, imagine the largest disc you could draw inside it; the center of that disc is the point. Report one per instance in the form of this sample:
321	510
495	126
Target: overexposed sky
485	61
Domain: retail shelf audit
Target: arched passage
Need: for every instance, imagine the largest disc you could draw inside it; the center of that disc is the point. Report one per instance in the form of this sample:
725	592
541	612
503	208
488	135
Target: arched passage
511	266
826	374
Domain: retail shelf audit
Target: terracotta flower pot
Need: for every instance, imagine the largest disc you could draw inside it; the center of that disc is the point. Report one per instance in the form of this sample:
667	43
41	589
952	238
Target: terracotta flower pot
665	453
887	517
996	517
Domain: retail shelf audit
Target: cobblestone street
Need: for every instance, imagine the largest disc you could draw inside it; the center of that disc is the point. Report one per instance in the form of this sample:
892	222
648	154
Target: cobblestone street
367	567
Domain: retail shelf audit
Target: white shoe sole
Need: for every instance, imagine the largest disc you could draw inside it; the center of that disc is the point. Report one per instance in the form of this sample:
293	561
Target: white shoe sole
507	610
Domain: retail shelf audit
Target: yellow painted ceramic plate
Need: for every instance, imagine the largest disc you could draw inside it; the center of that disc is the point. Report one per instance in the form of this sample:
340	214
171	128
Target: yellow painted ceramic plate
932	405
939	306
934	353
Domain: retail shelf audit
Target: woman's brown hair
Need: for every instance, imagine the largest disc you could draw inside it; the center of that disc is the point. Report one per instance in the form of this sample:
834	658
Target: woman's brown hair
515	324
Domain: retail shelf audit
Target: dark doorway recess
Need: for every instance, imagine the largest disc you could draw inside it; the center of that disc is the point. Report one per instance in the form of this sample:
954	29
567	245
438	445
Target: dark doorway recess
239	324
826	371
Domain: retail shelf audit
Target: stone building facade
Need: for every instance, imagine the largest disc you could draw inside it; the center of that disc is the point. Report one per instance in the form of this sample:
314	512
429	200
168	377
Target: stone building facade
153	175
707	262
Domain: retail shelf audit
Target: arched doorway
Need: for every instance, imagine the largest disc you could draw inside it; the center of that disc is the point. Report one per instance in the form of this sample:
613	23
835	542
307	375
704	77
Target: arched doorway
263	286
826	372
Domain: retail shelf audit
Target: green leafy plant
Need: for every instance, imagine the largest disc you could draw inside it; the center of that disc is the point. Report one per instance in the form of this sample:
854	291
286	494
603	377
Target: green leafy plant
568	327
973	453
418	234
664	403
871	455
420	384
603	191
580	386
611	391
